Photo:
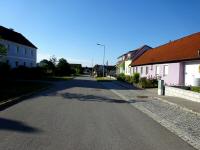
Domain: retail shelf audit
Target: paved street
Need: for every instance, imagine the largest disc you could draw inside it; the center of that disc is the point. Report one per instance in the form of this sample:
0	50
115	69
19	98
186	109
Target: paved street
81	114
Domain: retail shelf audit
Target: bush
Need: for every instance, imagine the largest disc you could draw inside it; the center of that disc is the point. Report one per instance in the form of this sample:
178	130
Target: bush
148	83
136	77
121	77
4	70
23	72
129	79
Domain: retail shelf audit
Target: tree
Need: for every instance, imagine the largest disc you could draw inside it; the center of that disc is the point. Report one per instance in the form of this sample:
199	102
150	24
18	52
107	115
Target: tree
48	66
3	52
53	59
63	68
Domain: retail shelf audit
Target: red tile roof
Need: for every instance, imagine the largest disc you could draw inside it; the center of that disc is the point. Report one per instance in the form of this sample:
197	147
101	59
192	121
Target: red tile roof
186	48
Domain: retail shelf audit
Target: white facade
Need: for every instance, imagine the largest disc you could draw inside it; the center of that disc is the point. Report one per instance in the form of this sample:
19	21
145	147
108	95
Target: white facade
192	73
19	55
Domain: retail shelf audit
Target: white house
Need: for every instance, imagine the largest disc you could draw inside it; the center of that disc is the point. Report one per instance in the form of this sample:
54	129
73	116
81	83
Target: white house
20	51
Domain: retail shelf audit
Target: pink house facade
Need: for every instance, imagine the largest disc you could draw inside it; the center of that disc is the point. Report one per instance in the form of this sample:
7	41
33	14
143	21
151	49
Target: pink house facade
172	73
177	62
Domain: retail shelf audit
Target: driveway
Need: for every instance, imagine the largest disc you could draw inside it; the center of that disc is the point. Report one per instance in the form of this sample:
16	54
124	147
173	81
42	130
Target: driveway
81	114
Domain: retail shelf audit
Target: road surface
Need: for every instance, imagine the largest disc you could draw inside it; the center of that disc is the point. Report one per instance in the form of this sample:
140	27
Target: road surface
81	114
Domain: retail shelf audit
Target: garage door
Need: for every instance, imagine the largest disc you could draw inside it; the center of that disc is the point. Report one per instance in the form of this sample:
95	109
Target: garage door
192	71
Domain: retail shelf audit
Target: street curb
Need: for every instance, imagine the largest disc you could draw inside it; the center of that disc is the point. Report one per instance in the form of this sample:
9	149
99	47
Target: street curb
162	99
169	126
18	99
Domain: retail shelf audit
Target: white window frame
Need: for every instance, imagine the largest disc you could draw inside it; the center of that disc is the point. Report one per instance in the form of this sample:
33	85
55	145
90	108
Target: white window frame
165	72
147	70
141	70
157	70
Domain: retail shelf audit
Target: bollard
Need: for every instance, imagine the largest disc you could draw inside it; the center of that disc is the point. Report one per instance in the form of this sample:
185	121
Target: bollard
161	87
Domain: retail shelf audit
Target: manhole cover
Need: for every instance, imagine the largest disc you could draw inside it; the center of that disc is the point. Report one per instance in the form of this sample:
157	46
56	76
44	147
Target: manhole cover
142	96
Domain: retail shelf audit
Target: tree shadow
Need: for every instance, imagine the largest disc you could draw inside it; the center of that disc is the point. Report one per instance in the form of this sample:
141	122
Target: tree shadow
94	98
13	125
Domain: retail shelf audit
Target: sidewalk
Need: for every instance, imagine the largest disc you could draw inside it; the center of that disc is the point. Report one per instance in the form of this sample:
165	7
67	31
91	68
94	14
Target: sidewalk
188	104
176	114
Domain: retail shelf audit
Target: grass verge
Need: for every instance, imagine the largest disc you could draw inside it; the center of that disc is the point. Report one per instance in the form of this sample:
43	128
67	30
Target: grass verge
58	78
103	79
13	89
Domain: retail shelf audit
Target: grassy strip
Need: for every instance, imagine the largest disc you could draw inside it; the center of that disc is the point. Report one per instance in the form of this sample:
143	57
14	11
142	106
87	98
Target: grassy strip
13	89
195	89
58	78
103	79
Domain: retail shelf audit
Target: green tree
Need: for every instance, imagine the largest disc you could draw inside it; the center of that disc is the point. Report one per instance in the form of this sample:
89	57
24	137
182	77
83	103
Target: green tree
53	59
3	52
63	68
47	66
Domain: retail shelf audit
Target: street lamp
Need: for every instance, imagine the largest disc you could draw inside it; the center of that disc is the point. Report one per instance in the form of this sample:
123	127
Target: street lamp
104	48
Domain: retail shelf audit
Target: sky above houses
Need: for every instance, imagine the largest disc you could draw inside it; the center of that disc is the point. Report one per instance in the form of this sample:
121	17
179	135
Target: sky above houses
72	28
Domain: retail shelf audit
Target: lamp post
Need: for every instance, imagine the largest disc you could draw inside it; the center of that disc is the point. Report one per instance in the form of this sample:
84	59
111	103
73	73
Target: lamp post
104	48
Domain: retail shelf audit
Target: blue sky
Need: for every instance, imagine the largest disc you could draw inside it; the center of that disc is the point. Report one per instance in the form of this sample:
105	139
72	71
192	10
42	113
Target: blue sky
71	28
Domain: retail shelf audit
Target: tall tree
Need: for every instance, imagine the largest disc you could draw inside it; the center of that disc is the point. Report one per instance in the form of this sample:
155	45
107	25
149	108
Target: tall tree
63	68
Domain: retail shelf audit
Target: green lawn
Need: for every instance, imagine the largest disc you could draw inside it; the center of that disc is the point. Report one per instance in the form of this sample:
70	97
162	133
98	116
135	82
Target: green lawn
195	89
58	78
103	79
12	89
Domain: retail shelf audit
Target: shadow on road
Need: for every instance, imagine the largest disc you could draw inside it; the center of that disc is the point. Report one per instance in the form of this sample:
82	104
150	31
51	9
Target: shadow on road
17	126
94	98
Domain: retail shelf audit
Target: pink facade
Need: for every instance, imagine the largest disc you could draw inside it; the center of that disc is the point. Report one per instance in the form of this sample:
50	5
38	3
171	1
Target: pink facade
171	73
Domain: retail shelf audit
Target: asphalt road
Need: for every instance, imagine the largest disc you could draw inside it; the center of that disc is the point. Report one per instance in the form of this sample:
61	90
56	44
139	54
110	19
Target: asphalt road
82	115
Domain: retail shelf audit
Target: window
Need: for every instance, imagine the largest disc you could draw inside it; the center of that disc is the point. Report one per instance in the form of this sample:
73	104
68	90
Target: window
25	51
25	64
7	61
157	70
16	63
31	52
166	70
8	47
147	70
17	51
151	67
141	70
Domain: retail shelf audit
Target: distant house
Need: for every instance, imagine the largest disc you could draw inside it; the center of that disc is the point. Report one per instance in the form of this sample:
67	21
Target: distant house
20	51
177	62
108	70
124	61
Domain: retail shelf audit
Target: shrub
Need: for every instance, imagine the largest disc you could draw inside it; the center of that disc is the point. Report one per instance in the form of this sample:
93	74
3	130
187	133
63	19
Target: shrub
148	83
4	70
127	78
143	82
136	77
121	77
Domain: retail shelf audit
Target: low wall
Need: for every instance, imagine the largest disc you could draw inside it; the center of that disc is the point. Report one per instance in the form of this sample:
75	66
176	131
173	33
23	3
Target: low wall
172	91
